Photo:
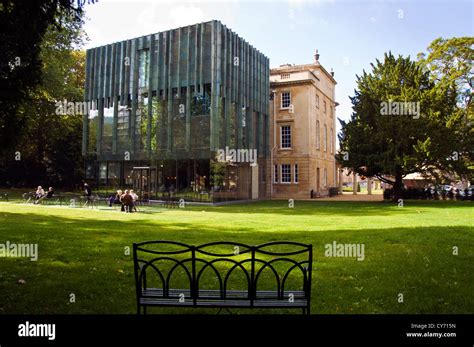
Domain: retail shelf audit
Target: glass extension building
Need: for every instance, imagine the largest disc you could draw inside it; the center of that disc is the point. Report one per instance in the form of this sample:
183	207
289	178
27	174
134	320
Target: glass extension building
163	106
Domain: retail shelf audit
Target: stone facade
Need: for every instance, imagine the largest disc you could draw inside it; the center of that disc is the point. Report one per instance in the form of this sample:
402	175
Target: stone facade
303	131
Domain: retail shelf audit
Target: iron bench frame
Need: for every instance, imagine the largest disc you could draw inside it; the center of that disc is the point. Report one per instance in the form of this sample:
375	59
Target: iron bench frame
222	297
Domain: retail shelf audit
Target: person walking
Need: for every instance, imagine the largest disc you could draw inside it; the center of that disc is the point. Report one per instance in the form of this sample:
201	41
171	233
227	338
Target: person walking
87	194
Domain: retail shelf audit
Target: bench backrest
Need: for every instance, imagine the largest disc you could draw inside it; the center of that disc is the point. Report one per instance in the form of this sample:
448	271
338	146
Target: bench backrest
280	267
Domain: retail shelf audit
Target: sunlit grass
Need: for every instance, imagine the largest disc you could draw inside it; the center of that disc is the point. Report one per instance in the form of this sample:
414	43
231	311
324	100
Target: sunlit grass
408	250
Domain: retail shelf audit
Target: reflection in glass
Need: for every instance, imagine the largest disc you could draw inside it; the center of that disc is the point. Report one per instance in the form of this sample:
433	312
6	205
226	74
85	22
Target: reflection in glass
179	122
107	129
143	68
156	115
141	124
123	126
93	128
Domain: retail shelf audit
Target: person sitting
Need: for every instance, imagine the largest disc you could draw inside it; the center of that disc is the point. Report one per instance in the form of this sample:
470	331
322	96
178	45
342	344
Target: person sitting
134	200
118	196
110	200
48	195
122	194
115	199
127	202
39	194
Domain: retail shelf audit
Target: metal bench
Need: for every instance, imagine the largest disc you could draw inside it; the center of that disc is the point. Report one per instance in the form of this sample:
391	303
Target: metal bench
223	275
90	201
56	199
169	202
143	201
29	197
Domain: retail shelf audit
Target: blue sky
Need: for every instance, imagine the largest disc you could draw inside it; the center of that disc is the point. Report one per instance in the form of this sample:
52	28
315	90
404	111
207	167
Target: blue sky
348	34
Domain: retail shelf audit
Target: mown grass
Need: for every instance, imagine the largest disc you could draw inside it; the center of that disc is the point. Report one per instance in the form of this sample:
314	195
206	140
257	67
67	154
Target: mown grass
408	251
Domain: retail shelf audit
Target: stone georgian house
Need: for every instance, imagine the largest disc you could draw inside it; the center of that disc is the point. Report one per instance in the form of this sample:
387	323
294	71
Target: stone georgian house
303	131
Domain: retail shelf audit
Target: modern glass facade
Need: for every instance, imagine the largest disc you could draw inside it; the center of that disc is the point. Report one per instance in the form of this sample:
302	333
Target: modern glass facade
163	105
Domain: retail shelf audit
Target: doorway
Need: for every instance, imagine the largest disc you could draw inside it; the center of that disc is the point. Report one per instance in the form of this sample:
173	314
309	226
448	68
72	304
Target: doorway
144	181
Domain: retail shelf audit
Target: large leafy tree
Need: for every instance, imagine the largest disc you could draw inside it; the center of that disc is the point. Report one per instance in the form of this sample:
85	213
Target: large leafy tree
450	62
387	146
49	143
23	27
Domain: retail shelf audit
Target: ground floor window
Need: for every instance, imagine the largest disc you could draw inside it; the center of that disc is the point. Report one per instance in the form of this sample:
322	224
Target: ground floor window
200	180
286	173
296	173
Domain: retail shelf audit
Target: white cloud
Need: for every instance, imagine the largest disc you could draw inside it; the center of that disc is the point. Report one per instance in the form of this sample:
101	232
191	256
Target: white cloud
112	21
184	15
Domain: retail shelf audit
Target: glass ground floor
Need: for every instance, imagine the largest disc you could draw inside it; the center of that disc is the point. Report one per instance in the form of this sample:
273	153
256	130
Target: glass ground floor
194	180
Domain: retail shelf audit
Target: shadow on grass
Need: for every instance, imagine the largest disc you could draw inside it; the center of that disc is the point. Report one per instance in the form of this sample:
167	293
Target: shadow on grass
86	256
343	208
124	228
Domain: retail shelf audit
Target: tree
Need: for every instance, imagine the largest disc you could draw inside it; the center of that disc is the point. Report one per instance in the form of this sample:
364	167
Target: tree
49	143
23	25
450	62
218	170
397	109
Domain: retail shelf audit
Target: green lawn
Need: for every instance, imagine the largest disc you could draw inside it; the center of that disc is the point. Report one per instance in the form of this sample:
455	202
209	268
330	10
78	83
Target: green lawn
408	250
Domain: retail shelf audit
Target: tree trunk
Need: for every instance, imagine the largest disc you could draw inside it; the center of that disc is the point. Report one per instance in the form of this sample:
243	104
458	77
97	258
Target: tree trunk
398	184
